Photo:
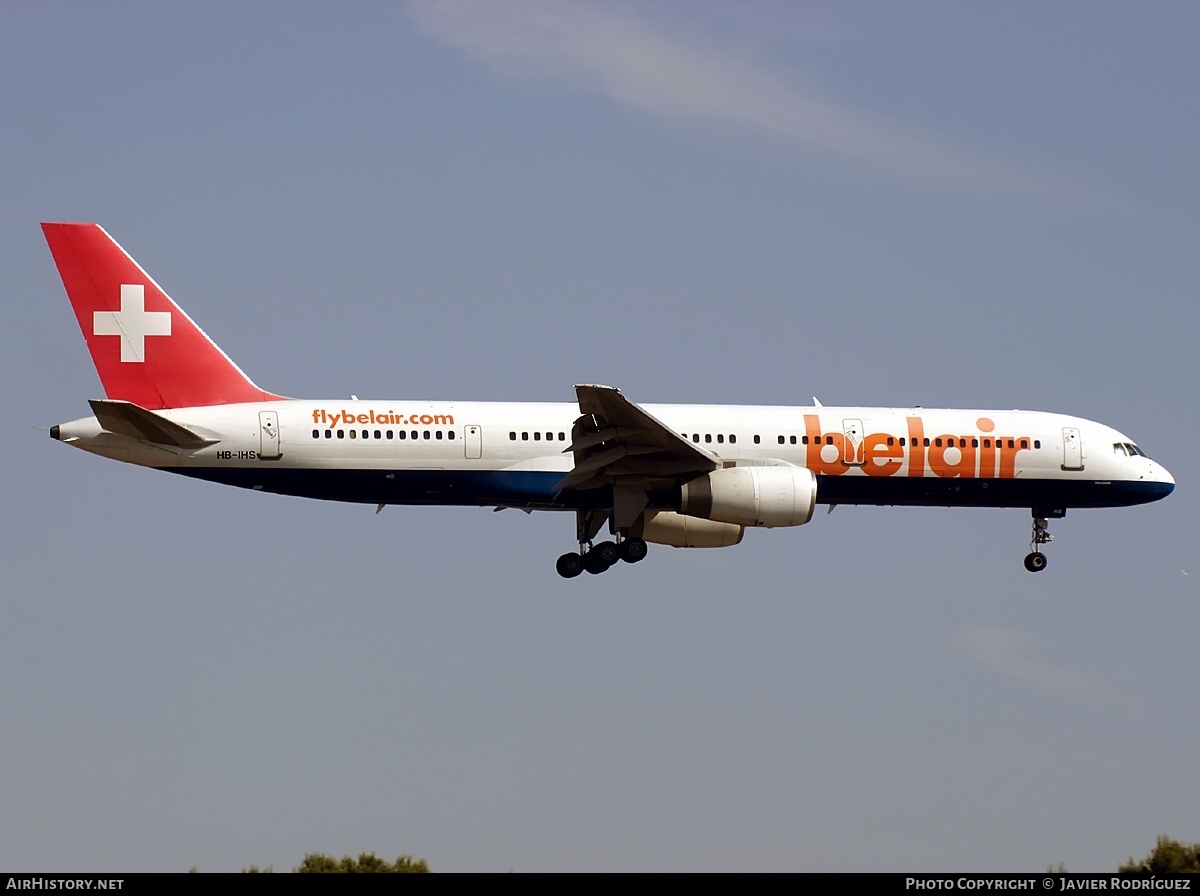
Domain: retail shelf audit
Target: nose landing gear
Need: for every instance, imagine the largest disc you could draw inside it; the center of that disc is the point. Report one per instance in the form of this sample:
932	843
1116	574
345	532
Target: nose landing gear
1035	560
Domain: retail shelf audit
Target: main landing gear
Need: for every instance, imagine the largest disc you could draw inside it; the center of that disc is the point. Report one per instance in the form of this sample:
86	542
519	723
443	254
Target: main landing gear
596	559
1035	560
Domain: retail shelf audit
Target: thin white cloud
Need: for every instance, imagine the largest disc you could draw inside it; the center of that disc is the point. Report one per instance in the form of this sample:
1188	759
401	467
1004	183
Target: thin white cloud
1009	652
618	52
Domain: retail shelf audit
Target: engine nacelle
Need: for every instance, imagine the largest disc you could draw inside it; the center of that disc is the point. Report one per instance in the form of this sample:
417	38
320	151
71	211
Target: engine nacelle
679	531
753	496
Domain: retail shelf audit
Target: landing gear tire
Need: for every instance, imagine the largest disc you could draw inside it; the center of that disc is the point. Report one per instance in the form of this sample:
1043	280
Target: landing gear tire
1035	562
569	565
594	562
608	550
633	550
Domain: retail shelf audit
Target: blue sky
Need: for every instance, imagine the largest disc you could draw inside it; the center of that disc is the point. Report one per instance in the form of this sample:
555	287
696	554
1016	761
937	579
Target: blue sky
979	205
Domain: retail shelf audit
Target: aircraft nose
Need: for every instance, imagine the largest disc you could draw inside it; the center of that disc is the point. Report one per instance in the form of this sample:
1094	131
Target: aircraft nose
1163	478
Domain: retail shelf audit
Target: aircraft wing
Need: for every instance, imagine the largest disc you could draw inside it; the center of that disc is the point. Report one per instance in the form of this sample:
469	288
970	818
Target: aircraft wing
616	441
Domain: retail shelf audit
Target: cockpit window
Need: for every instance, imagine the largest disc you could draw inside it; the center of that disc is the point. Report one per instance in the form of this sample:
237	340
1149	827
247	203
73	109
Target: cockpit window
1129	449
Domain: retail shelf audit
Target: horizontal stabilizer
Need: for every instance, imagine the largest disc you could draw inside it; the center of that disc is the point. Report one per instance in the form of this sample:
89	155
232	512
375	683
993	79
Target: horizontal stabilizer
128	419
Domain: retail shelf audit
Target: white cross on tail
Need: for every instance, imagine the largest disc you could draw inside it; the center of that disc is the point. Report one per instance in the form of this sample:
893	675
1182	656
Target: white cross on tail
133	323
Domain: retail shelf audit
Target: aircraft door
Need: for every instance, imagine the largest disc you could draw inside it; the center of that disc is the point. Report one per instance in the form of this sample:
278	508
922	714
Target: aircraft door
268	432
473	439
852	451
1072	449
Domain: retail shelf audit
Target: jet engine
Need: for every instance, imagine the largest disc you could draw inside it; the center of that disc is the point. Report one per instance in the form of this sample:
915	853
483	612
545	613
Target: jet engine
679	531
752	496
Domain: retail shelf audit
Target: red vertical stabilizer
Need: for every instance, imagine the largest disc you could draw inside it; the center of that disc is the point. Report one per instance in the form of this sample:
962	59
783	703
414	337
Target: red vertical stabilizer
145	348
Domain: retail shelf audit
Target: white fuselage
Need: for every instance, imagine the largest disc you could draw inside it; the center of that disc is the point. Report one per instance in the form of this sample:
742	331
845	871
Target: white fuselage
515	453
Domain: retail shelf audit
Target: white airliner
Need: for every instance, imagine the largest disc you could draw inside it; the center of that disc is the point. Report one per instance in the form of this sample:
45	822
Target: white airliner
681	475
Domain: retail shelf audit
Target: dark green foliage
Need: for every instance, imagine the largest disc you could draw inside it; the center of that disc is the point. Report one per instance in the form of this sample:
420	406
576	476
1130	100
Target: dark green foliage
366	863
1168	857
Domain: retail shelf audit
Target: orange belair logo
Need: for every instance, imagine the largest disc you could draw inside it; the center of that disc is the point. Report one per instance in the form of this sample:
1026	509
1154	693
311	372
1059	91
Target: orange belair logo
978	455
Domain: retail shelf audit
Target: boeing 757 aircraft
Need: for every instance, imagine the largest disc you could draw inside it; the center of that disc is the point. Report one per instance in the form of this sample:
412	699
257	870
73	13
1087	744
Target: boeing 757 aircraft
683	475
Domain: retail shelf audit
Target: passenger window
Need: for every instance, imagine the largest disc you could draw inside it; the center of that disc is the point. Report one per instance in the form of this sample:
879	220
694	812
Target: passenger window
781	440
329	433
1037	443
378	434
450	435
427	436
1024	443
402	434
708	437
891	441
757	440
316	433
537	436
391	434
354	433
938	442
720	438
696	437
792	440
512	436
524	437
366	434
732	439
341	434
